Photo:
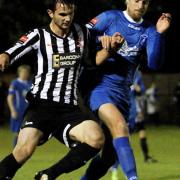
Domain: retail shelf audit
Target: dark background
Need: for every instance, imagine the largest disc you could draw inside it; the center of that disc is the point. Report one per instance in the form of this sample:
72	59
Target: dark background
19	16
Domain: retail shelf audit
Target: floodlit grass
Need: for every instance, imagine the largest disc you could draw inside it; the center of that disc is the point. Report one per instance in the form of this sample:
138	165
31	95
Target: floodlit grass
164	145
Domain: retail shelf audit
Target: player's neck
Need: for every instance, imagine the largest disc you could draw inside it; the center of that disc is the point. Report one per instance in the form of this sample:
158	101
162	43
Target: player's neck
58	31
130	18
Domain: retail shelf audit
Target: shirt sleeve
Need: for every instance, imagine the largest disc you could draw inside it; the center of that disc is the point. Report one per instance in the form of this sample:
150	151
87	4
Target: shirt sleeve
12	88
25	44
89	57
155	49
100	24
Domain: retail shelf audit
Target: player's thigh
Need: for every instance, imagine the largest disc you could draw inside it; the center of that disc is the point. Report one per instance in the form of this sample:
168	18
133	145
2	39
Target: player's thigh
29	137
88	132
110	115
113	118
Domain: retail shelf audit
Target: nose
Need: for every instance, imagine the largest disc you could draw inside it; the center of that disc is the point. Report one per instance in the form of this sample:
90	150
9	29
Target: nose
68	18
140	4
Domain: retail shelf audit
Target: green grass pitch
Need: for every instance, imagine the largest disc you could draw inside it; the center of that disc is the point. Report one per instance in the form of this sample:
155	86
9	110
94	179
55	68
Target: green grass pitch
164	145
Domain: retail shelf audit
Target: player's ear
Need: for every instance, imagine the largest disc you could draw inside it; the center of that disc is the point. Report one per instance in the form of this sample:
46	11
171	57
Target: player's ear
50	13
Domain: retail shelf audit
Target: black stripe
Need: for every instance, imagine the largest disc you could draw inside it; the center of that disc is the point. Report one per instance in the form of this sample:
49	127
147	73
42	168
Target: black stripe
45	62
55	73
66	72
22	48
77	49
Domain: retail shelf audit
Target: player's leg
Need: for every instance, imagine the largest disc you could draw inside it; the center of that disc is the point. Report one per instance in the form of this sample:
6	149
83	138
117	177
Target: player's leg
15	125
27	141
90	138
117	125
143	142
103	161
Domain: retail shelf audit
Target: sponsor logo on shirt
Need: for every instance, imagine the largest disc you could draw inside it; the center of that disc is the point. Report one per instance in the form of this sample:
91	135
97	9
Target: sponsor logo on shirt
93	22
134	27
65	60
125	50
23	39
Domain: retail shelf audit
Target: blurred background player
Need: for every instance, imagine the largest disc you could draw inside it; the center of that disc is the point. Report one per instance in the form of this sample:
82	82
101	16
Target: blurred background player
138	96
16	98
152	105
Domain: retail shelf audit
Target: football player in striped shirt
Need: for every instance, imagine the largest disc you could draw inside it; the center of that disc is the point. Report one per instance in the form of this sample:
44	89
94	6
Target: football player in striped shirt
62	48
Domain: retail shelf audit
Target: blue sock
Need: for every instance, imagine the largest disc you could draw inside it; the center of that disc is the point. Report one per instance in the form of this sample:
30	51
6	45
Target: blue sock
126	157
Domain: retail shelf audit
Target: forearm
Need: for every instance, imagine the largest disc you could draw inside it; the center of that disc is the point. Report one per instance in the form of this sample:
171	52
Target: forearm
17	52
155	51
101	56
10	100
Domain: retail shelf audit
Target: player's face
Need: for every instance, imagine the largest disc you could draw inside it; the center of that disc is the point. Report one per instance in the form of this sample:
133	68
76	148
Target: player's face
137	8
63	16
24	74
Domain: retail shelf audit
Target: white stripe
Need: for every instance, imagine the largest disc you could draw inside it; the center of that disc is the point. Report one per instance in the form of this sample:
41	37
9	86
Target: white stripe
58	85
65	135
49	49
67	95
49	52
71	43
28	49
36	84
75	87
60	45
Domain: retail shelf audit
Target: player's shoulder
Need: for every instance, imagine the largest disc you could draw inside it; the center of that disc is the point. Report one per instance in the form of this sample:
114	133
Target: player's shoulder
80	28
14	82
32	31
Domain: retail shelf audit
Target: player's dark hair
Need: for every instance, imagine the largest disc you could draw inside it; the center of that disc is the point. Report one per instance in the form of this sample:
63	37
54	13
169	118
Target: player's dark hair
51	4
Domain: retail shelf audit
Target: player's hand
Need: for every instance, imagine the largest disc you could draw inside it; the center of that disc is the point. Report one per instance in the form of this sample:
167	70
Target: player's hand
163	22
116	41
137	88
14	114
106	42
4	61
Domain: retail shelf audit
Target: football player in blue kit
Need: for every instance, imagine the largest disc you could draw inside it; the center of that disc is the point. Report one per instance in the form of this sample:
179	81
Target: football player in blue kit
16	98
137	119
109	98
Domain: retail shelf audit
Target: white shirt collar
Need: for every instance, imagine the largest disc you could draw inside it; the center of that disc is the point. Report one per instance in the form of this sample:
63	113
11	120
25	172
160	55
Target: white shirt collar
129	18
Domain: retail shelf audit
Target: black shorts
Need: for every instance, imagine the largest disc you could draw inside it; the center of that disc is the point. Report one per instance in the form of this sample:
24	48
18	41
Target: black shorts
53	120
140	126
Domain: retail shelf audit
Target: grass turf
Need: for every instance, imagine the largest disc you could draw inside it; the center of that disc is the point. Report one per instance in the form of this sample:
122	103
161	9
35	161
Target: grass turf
164	145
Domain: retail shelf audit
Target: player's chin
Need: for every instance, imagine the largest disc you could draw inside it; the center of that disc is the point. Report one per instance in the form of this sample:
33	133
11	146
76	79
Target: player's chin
66	26
138	15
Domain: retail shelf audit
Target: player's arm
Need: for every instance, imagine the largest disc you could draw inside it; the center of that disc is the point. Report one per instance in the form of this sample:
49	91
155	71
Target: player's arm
155	42
24	45
10	101
4	61
109	47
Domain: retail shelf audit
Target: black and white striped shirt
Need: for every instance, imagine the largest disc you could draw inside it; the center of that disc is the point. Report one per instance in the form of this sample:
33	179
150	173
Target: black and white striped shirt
58	62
